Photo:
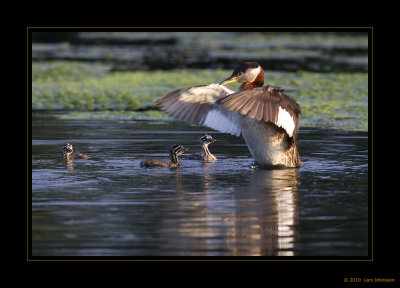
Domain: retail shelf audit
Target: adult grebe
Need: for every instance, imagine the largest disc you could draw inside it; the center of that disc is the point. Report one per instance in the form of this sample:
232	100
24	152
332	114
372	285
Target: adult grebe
174	152
205	155
69	153
267	119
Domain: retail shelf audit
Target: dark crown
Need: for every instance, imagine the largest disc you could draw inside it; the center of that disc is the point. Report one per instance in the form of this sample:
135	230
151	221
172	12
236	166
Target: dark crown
244	66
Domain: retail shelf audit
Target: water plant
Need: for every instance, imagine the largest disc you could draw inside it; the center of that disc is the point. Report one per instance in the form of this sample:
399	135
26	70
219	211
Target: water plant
336	100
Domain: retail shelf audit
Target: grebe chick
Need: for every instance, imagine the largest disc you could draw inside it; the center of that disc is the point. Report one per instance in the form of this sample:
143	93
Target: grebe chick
267	118
69	153
174	152
205	155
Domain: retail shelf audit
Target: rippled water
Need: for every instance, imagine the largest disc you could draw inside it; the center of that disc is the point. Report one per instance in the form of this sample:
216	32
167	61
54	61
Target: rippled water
108	206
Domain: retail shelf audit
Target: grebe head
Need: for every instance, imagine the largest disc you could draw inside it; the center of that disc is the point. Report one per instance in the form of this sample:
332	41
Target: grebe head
246	72
67	149
207	139
178	150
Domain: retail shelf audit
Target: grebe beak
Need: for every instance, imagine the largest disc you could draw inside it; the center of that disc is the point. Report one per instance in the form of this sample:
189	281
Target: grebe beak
229	80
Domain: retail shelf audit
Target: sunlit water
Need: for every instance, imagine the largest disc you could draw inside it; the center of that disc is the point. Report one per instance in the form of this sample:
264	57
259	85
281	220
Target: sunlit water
109	206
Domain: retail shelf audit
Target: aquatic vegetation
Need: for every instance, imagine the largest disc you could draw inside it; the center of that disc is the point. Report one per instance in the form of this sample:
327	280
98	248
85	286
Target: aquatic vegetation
335	100
115	115
77	86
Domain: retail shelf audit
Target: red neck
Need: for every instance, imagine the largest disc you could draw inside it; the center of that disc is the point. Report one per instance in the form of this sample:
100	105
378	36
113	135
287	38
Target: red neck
258	82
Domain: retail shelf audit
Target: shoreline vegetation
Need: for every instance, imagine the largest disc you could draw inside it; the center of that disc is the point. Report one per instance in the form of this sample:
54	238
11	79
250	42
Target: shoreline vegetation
91	91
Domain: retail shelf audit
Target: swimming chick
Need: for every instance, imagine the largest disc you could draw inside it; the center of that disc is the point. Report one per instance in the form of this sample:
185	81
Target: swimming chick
69	153
205	155
174	152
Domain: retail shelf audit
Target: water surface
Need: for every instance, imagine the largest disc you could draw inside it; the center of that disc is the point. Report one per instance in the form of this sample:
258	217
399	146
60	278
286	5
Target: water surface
109	206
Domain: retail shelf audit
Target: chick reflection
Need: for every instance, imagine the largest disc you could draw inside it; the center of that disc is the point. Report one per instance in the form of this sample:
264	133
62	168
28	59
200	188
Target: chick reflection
68	164
256	214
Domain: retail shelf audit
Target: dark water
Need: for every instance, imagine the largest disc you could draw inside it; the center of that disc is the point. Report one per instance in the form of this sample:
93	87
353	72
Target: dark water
108	206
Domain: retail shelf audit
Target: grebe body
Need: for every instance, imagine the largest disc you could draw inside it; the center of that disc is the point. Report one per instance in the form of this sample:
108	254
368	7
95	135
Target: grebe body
267	119
205	155
275	149
174	152
158	163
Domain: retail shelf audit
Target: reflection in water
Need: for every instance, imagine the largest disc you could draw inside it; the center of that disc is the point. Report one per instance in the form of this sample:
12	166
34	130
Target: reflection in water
109	206
260	218
68	164
286	205
272	229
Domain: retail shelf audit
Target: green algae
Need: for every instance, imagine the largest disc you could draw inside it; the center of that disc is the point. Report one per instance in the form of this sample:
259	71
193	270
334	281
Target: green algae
93	91
76	86
115	115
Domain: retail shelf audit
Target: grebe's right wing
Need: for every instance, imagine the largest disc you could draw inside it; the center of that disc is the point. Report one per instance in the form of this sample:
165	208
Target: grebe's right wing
197	105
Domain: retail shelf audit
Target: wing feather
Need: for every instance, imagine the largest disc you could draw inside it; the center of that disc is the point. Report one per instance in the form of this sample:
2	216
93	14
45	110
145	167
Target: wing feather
267	103
260	111
249	105
254	110
197	105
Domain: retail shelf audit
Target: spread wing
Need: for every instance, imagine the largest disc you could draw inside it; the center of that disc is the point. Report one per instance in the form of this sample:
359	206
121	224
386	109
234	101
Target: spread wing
197	105
265	103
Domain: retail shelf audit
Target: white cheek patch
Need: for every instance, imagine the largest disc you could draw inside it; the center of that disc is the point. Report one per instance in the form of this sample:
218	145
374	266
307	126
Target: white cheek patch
250	75
285	120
